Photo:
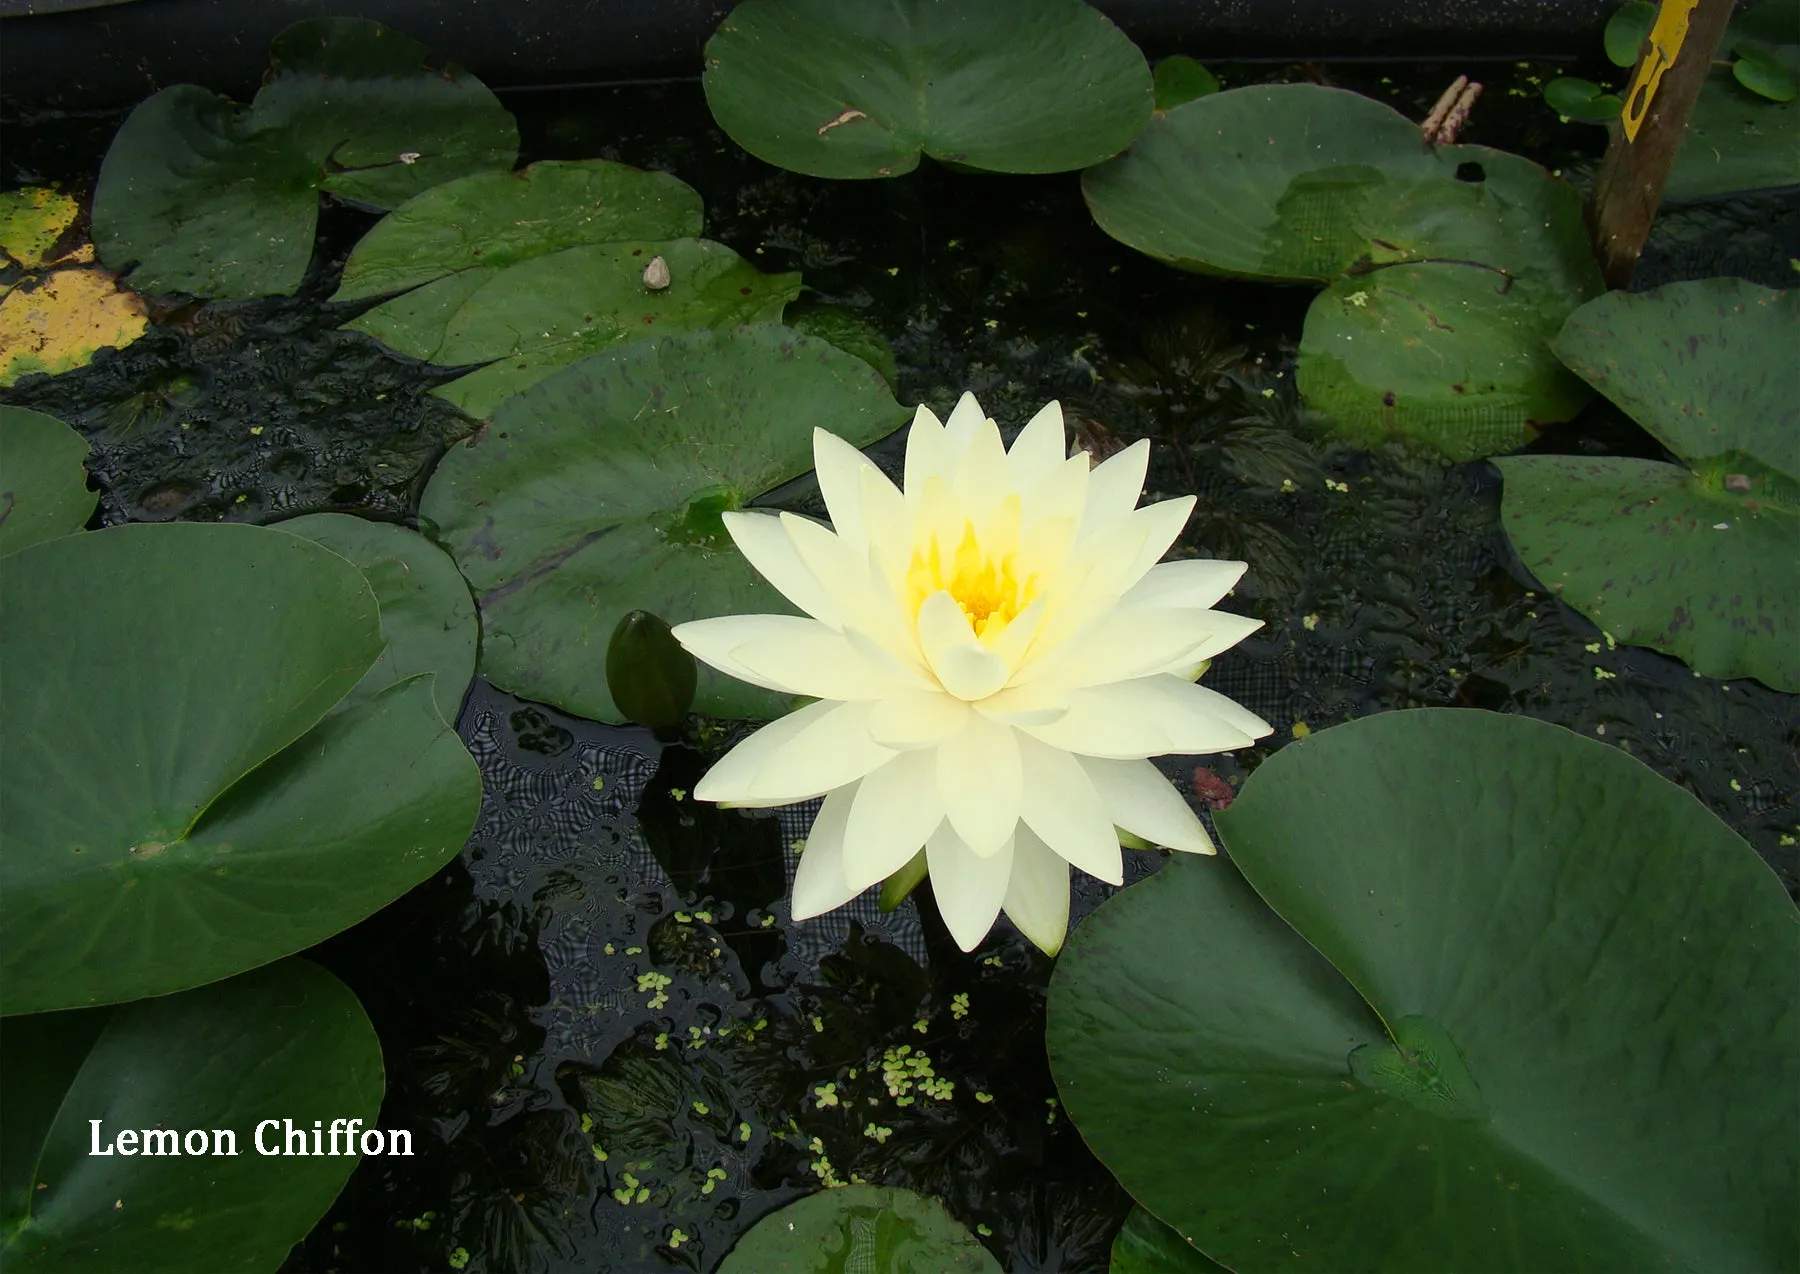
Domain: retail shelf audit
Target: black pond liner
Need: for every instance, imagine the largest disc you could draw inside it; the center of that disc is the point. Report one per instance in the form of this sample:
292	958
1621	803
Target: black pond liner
519	1047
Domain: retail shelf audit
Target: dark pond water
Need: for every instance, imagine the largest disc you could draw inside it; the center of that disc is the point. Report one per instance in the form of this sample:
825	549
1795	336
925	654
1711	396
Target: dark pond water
601	1021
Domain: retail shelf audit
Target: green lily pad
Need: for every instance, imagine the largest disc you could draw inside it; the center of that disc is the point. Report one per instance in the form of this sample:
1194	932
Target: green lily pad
1448	268
1707	367
1736	140
1763	71
528	319
179	806
427	615
1147	1246
598	491
1582	99
200	195
1627	30
288	1041
1696	561
848	331
858	90
860	1230
43	482
1591	1057
1661	556
1180	79
492	220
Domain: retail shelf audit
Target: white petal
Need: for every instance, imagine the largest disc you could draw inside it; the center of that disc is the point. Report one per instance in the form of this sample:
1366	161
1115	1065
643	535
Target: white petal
1196	581
1037	892
1059	803
963	666
887	522
981	782
712	641
1036	704
1230	711
819	880
843	571
1039	450
1115	485
760	538
1062	494
829	747
1145	717
813	661
840	466
967	886
910	719
897	809
1139	799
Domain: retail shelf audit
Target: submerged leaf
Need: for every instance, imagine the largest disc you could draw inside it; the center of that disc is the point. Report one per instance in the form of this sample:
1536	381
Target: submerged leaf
870	1229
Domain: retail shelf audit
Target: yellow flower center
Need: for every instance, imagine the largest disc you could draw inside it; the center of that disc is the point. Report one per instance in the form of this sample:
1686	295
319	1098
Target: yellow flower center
980	575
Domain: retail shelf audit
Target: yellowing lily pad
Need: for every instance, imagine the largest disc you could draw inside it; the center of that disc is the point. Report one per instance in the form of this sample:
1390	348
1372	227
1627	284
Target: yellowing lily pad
59	321
31	222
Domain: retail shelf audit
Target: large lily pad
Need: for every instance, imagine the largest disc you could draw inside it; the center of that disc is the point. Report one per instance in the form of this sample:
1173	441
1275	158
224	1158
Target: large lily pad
1591	1050
1660	555
1147	1246
495	219
43	482
427	615
200	195
860	1230
598	491
1708	367
862	90
178	806
1736	140
1447	269
288	1042
1699	561
548	311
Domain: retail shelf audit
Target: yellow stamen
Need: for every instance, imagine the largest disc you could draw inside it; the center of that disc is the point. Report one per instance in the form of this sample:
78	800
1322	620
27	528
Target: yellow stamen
980	573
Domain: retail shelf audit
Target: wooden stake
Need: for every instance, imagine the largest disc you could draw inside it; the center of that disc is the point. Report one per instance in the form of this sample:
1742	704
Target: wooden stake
1630	184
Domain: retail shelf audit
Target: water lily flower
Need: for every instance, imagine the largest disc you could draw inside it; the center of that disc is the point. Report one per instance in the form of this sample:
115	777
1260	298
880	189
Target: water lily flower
995	652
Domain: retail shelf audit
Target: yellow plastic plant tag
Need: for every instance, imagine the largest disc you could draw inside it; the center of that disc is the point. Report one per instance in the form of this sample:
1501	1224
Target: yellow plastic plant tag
1665	44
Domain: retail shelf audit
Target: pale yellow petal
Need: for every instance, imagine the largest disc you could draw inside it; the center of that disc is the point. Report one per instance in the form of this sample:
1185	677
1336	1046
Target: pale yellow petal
1039	450
1037	892
713	641
1148	716
1037	704
1139	799
981	782
809	659
1115	485
966	420
1225	630
927	453
761	539
1059	803
1162	524
967	886
897	809
1195	582
840	471
962	665
1122	645
819	881
888	523
832	747
1061	495
910	719
982	476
